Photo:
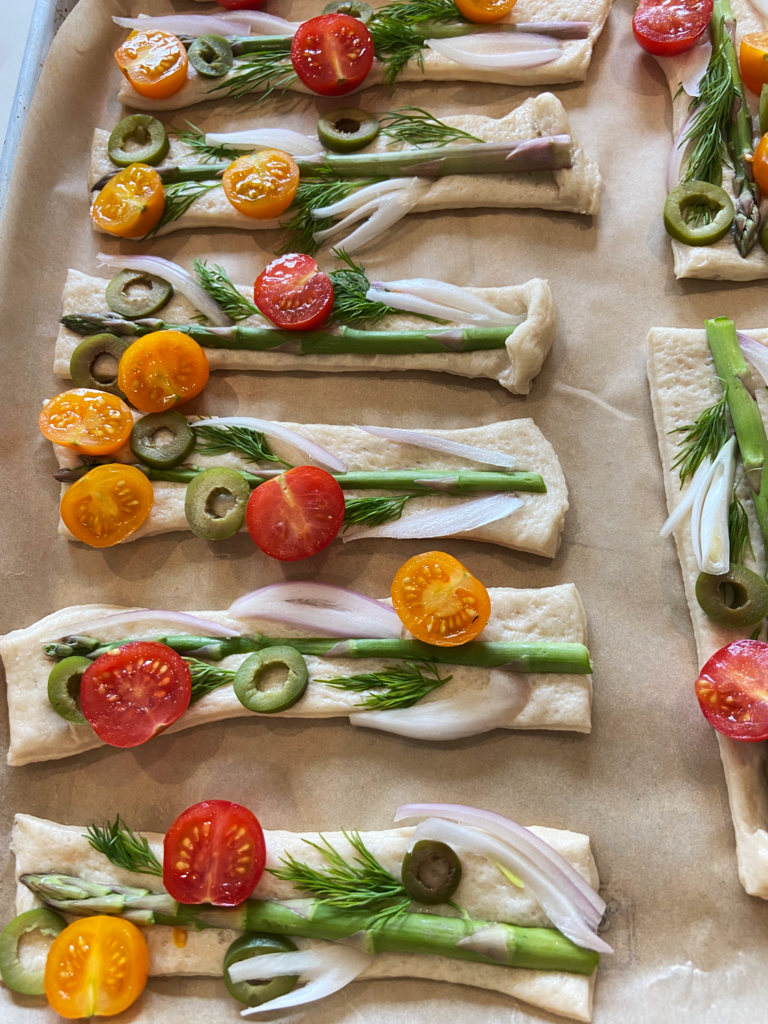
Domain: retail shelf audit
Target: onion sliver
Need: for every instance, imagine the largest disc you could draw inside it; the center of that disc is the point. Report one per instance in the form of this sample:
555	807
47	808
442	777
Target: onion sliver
266	138
485	50
188	24
415	304
270	429
445	522
694	65
393	208
326	969
442	444
709	518
361	196
320	607
181	280
262	24
677	155
755	352
460	299
186	623
685	506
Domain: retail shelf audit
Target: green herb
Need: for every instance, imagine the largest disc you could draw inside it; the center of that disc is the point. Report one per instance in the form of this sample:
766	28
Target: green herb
401	686
252	444
178	199
738	531
195	139
704	438
206	678
396	40
269	70
374	511
124	848
420	128
350	286
313	194
217	283
712	119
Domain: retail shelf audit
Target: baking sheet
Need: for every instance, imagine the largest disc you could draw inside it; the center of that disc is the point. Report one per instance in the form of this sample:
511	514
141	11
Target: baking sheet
647	784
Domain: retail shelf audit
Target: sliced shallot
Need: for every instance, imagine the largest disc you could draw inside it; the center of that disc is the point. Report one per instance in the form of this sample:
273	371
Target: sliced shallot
270	429
392	209
262	24
460	300
420	439
677	155
755	353
362	195
709	517
486	50
187	24
685	506
326	969
266	138
694	66
445	522
191	624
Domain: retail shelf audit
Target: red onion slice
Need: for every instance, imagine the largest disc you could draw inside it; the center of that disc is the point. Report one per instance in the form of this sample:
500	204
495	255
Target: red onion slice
486	50
755	353
694	65
320	607
267	138
191	624
677	155
442	444
326	970
187	24
181	280
445	522
269	429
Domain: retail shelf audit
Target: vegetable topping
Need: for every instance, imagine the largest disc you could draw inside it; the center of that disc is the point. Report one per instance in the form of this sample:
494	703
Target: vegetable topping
94	362
257	944
753	61
88	421
431	872
12	971
683	217
131	203
737	599
154	62
215	503
296	514
732	689
347	129
135	293
294	293
162	440
162	369
668	27
64	688
262	185
439	601
107	505
211	56
268	700
332	54
760	162
484	12
149	138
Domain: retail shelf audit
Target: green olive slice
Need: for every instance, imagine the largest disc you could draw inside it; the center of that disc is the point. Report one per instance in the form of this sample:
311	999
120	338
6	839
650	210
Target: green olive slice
12	971
94	363
680	220
215	503
135	293
256	944
162	440
149	135
431	872
763	110
737	599
347	129
211	56
64	688
354	8
278	698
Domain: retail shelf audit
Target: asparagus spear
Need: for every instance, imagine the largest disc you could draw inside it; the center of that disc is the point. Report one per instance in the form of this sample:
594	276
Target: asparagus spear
541	949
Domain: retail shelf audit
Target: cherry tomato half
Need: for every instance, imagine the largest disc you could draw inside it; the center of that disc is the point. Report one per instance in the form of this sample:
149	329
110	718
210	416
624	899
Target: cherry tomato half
733	690
162	370
98	966
262	185
671	26
294	293
107	505
154	62
332	54
134	692
440	601
131	203
484	12
753	60
760	162
88	421
214	853
296	514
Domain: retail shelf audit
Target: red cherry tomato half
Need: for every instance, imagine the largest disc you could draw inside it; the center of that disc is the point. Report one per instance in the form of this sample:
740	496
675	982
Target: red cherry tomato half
332	54
296	514
733	690
293	293
214	853
134	692
671	26
240	5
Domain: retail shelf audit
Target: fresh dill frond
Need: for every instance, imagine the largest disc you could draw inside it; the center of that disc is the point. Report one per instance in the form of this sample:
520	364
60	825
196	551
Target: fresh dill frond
401	686
269	70
374	511
195	139
206	678
124	848
711	122
738	531
178	198
246	441
218	284
704	438
396	37
313	194
420	128
350	305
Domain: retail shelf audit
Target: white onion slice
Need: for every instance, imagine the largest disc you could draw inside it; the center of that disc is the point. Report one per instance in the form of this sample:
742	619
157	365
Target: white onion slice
188	24
460	299
326	969
357	214
181	280
266	138
270	429
392	209
709	518
190	624
467	714
689	497
320	607
415	304
755	353
442	444
694	64
485	50
677	155
262	24
445	522
359	197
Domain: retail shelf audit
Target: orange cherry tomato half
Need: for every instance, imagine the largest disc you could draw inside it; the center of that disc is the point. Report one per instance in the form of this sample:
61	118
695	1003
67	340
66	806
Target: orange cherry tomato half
296	514
96	967
262	185
439	601
668	27
332	54
162	370
214	853
294	293
760	163
154	62
753	60
89	421
483	12
732	689
107	505
131	203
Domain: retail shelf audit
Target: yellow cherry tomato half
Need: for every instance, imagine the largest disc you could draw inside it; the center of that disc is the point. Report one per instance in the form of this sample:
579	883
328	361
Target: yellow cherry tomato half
262	185
439	601
760	163
107	505
753	60
483	12
89	421
154	62
131	203
97	966
161	370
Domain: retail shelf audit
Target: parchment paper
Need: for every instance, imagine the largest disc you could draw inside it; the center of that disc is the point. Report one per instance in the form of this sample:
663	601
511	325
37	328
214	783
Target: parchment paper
647	784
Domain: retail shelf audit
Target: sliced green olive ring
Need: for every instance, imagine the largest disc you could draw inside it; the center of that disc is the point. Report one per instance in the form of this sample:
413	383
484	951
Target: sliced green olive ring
12	971
86	363
763	110
215	503
144	130
431	872
135	293
162	440
255	944
267	702
211	56
701	194
347	129
64	688
737	600
354	8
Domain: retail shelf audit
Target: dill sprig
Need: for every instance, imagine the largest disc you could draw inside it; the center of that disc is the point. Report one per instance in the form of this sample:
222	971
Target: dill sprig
251	444
206	678
178	198
218	284
270	70
124	848
312	194
401	686
704	438
420	128
397	41
374	511
712	119
350	285
363	885
738	531
195	139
